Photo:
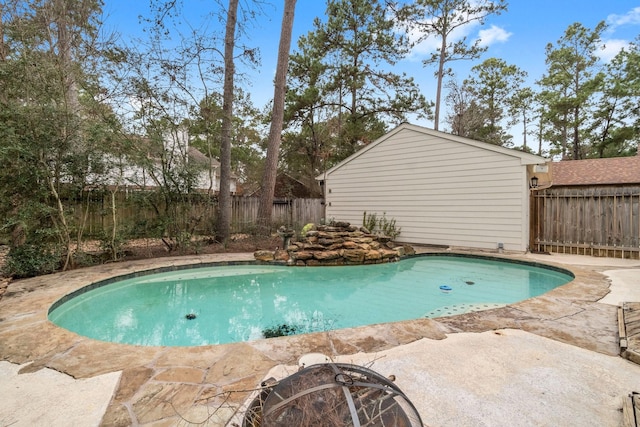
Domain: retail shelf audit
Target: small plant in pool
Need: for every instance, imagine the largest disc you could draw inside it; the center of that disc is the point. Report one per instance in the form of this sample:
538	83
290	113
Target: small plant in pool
301	325
281	330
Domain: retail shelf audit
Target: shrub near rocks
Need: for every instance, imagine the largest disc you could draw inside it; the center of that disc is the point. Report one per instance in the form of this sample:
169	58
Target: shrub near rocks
339	243
30	261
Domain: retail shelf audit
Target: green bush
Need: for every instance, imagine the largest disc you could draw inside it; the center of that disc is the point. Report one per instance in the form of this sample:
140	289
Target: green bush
382	225
112	246
84	259
30	261
388	226
307	228
369	221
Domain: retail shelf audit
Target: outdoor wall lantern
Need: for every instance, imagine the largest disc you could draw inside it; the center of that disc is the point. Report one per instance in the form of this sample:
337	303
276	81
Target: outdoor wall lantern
534	182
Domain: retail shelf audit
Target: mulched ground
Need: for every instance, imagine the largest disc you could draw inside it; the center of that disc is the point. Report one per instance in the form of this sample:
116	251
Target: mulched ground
156	248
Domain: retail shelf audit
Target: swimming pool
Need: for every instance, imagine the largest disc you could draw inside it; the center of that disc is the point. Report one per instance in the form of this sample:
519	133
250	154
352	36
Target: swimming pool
222	304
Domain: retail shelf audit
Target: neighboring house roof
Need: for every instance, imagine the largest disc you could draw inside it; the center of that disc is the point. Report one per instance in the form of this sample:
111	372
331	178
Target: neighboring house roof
525	158
286	187
202	159
199	157
608	171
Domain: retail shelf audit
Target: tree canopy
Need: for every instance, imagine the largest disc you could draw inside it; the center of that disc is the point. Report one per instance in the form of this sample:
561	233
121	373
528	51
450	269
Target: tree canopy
441	19
343	91
494	86
79	107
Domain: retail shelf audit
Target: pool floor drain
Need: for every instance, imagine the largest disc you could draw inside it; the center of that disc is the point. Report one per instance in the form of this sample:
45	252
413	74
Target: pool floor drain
190	316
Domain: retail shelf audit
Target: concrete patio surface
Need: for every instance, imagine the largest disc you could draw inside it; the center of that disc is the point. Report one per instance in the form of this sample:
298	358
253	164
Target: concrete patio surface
547	361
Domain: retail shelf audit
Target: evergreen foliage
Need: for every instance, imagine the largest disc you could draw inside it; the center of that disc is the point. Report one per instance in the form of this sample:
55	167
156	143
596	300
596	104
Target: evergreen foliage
343	93
78	109
31	260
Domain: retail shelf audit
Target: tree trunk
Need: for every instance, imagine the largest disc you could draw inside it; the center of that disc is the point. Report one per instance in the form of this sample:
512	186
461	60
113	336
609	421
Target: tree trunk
3	47
436	119
524	132
277	117
577	154
63	229
66	58
224	197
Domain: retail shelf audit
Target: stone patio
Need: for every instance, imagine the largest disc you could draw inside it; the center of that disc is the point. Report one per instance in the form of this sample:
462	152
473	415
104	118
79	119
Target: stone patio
164	386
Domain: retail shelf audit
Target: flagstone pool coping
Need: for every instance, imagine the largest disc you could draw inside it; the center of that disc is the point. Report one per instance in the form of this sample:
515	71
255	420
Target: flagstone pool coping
168	385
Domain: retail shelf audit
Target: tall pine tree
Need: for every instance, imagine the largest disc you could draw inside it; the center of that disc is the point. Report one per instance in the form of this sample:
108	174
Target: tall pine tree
570	88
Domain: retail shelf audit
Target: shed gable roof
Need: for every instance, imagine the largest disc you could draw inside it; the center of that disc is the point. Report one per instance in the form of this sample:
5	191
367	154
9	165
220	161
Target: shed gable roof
525	158
608	171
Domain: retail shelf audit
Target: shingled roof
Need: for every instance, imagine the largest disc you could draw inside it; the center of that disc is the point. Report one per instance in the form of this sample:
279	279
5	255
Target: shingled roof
609	171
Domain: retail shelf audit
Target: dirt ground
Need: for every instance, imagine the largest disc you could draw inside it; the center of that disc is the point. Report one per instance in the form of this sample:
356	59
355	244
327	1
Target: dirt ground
155	248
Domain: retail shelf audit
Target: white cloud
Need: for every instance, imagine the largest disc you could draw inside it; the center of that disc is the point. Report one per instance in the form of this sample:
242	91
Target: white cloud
493	35
432	43
611	48
630	18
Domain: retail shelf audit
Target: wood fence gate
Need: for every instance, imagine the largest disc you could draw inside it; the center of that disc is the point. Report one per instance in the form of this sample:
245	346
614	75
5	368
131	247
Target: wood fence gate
597	221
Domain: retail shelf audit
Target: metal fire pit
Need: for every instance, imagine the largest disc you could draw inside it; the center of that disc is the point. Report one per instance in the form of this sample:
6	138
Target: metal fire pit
332	394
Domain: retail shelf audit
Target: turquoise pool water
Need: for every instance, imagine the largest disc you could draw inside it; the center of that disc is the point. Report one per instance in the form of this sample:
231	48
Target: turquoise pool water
222	304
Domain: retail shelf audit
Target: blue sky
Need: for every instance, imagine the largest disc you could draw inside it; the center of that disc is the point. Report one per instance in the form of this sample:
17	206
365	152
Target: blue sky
518	36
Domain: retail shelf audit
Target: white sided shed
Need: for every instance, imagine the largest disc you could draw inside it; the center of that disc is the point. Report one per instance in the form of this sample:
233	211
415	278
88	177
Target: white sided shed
441	189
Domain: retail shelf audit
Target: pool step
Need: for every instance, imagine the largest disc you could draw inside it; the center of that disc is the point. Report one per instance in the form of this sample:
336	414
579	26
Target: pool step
451	310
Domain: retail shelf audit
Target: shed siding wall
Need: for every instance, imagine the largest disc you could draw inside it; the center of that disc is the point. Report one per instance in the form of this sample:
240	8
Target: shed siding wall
438	191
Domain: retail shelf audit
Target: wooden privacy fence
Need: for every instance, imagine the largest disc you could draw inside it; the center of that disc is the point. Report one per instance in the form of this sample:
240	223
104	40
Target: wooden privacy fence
132	213
290	212
597	221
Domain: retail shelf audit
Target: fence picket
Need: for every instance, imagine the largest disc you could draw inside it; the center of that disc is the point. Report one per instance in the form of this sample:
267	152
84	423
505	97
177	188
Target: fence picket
131	213
600	221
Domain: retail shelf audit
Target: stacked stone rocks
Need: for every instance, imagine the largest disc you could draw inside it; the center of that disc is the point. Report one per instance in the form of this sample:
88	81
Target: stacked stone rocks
339	243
